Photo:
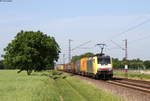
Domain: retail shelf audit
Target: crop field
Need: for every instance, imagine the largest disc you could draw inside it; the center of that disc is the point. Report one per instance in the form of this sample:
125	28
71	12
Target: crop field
48	86
133	75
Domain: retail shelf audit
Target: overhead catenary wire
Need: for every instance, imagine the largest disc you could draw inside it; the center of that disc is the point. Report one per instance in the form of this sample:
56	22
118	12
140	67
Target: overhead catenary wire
117	45
129	43
79	46
123	32
133	27
129	29
117	35
139	39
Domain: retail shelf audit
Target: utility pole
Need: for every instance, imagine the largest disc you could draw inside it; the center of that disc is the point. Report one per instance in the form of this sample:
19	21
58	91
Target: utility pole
72	49
126	57
63	58
126	49
69	54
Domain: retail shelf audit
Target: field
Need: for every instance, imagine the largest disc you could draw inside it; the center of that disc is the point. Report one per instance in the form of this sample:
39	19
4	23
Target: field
48	86
133	75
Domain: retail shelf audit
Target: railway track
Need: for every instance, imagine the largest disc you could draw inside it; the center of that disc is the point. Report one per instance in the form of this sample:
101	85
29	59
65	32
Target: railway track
139	85
130	92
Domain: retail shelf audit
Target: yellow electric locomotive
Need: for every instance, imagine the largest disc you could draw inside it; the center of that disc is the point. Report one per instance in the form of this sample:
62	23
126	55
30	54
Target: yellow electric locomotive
103	67
97	66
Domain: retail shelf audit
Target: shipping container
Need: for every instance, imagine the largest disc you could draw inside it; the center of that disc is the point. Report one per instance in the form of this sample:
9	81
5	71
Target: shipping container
77	66
83	64
73	67
90	65
60	67
67	67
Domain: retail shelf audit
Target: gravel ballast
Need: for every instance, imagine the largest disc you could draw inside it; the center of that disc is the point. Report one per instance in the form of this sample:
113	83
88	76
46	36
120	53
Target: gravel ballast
126	93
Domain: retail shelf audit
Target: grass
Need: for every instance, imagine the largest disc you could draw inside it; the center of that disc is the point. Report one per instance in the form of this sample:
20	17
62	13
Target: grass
133	75
48	86
20	87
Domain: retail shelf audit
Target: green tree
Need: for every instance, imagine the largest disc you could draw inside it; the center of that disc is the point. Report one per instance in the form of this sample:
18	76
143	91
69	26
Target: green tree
135	64
117	64
1	65
88	54
75	58
147	64
32	51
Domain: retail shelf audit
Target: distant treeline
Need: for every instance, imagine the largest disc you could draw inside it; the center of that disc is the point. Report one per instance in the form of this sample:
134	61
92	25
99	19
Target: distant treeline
132	64
117	64
3	66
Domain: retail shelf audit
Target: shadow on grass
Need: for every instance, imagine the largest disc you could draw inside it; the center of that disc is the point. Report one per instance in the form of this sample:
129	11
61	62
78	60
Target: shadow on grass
51	74
44	74
34	74
38	74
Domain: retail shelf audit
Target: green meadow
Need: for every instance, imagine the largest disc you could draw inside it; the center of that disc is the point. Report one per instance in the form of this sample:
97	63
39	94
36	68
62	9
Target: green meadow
48	86
133	75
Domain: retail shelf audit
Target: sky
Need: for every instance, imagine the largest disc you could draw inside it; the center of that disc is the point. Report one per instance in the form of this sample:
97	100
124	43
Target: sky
96	21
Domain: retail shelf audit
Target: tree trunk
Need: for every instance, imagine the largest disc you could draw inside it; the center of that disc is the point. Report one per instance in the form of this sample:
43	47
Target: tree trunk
29	72
19	71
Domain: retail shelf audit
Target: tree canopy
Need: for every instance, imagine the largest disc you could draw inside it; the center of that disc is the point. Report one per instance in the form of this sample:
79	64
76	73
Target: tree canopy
132	64
31	51
75	58
1	65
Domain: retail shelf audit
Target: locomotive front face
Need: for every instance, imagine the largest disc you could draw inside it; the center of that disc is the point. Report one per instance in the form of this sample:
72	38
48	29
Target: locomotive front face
104	63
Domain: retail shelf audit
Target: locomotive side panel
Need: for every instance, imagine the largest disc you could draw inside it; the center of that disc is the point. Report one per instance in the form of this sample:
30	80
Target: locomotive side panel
94	65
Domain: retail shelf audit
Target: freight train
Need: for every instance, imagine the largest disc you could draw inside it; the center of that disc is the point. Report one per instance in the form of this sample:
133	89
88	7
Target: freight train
98	66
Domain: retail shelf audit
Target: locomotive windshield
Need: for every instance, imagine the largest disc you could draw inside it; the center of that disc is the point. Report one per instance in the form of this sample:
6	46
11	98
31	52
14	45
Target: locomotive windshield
104	60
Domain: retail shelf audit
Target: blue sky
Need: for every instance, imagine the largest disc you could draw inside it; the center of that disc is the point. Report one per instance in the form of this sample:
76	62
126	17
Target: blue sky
81	21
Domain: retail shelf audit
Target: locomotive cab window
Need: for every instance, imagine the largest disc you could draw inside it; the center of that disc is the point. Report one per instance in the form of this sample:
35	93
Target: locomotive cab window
103	60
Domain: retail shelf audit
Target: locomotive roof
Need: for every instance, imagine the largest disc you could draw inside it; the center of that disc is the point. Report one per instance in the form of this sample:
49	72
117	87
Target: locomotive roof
101	55
98	55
